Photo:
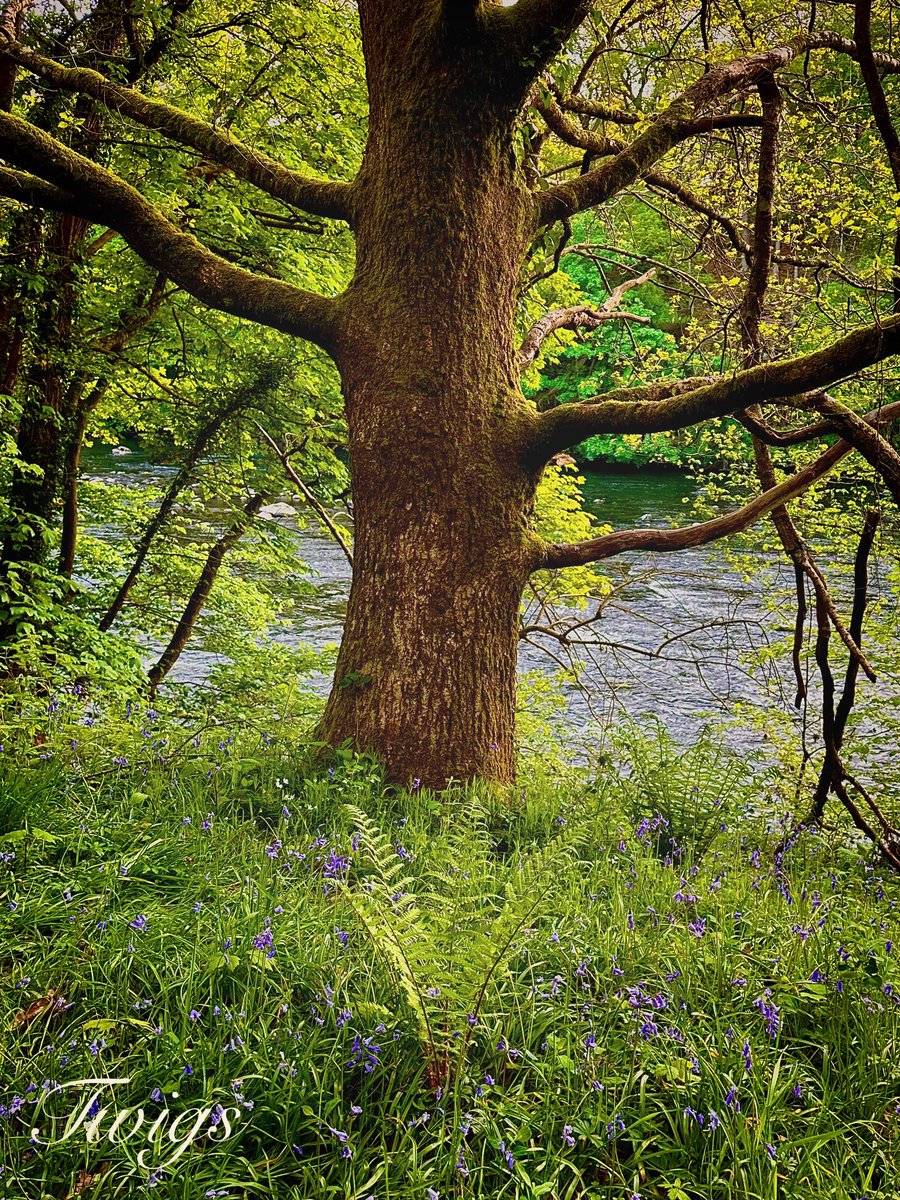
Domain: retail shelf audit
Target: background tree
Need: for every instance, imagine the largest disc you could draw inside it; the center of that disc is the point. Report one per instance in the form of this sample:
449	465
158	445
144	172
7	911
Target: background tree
139	358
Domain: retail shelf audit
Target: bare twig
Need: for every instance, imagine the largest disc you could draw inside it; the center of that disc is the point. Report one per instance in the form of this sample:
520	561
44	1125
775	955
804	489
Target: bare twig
314	503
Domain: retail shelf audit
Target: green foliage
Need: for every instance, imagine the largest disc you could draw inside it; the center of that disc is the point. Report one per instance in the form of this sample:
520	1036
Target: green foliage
560	516
681	797
446	946
201	919
246	73
53	634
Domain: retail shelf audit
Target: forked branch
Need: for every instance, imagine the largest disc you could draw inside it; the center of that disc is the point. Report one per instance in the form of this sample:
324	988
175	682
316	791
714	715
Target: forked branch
684	117
580	316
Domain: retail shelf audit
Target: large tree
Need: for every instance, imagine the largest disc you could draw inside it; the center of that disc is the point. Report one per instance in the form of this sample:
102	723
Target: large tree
446	451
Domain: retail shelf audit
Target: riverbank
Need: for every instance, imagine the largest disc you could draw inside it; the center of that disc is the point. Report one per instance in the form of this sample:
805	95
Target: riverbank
672	636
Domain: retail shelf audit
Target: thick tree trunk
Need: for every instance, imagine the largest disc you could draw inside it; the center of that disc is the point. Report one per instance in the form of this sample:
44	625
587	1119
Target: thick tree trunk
441	491
427	667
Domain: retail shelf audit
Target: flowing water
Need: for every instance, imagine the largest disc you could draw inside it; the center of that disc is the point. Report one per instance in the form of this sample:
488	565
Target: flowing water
673	637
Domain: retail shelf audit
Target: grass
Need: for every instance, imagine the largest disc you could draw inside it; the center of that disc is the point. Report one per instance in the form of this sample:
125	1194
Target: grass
397	994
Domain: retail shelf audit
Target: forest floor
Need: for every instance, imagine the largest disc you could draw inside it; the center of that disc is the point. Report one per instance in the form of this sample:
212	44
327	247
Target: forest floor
301	983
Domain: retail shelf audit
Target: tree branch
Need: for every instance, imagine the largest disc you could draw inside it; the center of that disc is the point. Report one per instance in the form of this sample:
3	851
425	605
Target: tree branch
106	199
320	510
805	567
764	432
202	588
596	108
266	379
865	439
682	119
37	193
862	32
532	32
763	221
669	540
630	411
596	144
580	316
145	58
321	198
665	183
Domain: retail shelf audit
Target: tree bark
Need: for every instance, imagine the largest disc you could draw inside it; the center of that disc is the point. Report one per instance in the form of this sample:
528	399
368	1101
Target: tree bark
438	426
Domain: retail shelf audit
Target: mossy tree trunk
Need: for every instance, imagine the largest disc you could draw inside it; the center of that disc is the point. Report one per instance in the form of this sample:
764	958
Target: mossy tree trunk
438	423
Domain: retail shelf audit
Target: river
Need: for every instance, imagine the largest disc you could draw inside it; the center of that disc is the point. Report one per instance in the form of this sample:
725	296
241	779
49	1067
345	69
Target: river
675	634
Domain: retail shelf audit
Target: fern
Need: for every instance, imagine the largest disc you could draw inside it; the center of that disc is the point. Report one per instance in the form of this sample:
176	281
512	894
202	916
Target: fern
387	910
446	945
693	789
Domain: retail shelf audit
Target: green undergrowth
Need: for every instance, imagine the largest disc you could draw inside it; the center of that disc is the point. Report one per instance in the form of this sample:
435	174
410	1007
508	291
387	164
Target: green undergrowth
354	991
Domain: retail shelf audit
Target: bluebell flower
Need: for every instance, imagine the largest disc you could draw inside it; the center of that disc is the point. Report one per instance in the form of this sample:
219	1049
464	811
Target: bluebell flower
335	866
614	1128
770	1013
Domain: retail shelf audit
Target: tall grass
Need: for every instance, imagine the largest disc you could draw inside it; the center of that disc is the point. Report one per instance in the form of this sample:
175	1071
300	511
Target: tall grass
603	1010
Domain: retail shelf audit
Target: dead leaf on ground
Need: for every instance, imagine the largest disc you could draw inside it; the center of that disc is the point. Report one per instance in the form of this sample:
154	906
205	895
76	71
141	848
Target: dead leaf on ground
86	1180
50	1004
